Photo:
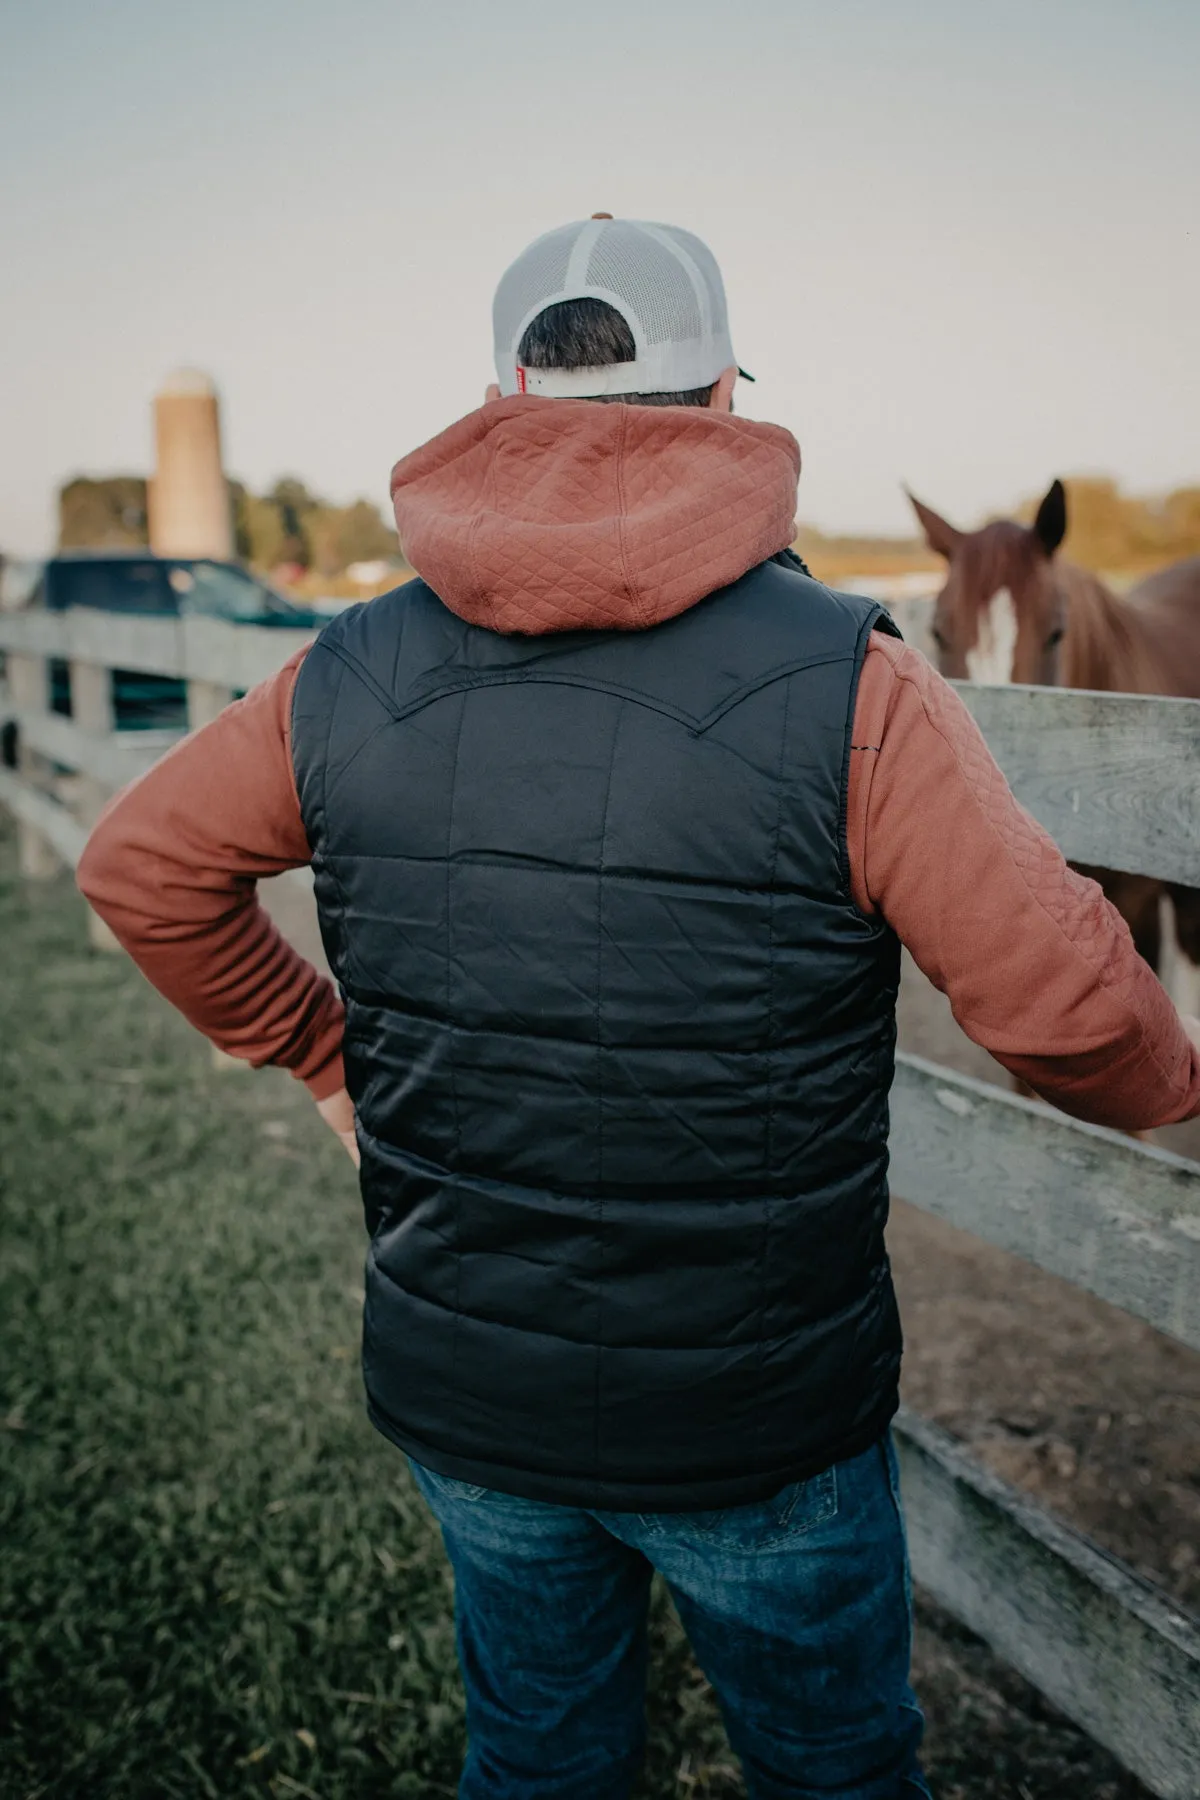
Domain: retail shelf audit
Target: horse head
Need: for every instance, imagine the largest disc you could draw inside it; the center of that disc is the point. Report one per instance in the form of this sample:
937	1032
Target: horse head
1002	614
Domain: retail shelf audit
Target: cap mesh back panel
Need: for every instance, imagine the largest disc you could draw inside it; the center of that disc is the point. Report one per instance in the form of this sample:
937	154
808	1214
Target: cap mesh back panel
706	262
655	285
541	271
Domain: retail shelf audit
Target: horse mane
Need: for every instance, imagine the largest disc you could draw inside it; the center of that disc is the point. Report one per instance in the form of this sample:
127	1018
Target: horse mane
1103	647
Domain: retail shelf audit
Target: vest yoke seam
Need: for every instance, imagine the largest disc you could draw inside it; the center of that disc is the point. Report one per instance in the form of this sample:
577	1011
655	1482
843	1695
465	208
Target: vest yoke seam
335	647
697	725
348	661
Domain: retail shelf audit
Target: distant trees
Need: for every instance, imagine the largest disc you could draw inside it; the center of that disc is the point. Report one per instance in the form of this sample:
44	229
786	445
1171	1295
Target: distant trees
287	526
291	526
102	515
362	535
339	536
274	528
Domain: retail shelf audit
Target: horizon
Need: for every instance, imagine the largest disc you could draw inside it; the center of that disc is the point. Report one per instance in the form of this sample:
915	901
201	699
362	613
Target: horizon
984	228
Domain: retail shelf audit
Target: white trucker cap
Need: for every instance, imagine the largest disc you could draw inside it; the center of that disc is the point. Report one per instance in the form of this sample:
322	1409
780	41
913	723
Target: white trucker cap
664	283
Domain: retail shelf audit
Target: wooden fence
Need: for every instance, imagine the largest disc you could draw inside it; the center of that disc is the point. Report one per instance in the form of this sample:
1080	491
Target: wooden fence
1116	780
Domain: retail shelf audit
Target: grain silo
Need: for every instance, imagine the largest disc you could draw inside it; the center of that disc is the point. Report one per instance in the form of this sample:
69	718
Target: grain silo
190	514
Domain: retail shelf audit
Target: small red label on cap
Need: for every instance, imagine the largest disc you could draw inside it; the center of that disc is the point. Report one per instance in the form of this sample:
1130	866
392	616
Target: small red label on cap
520	379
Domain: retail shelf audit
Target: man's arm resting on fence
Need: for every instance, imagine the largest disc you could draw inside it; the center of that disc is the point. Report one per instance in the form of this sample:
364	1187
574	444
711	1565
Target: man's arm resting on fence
172	867
1038	967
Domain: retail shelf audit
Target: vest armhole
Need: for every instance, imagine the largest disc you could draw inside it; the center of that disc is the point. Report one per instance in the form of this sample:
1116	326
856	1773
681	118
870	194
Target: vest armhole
877	618
359	669
310	760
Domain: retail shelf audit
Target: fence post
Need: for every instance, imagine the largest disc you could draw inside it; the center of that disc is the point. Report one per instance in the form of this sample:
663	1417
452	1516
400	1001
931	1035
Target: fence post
92	710
205	699
29	687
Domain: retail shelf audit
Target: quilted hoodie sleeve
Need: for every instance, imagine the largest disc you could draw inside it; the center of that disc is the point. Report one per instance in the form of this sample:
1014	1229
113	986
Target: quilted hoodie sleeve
1038	967
172	866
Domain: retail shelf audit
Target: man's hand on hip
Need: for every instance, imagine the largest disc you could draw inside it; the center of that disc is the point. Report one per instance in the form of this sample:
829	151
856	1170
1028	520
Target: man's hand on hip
337	1111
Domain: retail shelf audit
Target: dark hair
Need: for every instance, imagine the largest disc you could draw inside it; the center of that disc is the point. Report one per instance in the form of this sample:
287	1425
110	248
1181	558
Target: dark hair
590	334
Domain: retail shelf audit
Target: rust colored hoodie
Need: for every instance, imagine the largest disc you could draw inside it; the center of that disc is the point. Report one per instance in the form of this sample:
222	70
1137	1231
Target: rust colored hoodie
542	515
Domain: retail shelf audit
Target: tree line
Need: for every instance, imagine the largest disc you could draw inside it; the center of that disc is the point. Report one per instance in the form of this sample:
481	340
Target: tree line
1108	530
286	526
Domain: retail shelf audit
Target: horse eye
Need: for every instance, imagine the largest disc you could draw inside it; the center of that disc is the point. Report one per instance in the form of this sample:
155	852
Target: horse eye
939	637
1056	637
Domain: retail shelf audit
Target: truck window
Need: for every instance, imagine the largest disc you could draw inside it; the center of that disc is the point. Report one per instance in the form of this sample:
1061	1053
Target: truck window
116	586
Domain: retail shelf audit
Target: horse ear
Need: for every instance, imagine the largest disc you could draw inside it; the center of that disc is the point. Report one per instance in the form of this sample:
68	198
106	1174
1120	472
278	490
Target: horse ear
1050	526
939	534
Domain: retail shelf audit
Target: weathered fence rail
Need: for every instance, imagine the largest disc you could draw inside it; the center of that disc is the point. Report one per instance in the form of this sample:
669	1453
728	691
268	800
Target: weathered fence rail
1105	1646
1112	777
1117	1217
1116	780
193	647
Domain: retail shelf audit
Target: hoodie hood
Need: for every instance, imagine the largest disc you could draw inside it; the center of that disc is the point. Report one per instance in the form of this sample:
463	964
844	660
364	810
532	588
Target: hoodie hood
535	515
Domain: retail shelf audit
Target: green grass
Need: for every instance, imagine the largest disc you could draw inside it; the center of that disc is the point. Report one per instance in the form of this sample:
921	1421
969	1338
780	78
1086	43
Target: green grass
215	1578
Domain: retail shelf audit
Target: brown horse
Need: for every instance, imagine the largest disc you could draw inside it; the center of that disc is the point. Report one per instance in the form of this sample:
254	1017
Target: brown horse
1013	611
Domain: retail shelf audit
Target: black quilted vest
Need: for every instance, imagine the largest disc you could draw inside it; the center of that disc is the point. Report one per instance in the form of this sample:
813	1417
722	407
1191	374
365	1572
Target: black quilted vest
619	1041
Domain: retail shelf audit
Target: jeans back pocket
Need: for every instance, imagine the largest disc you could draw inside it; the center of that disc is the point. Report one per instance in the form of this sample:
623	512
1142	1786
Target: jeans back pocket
762	1525
447	1488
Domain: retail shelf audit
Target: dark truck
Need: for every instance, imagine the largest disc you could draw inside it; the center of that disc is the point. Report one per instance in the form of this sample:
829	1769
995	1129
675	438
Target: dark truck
136	581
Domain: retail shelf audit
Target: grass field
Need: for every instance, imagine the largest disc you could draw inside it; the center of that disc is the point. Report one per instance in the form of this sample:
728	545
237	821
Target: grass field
216	1580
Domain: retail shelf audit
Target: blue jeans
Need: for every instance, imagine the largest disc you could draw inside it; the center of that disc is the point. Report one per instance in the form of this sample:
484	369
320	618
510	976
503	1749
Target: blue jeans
797	1608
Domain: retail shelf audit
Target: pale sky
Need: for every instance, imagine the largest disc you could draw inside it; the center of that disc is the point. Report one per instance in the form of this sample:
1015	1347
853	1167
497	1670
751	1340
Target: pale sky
961	243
